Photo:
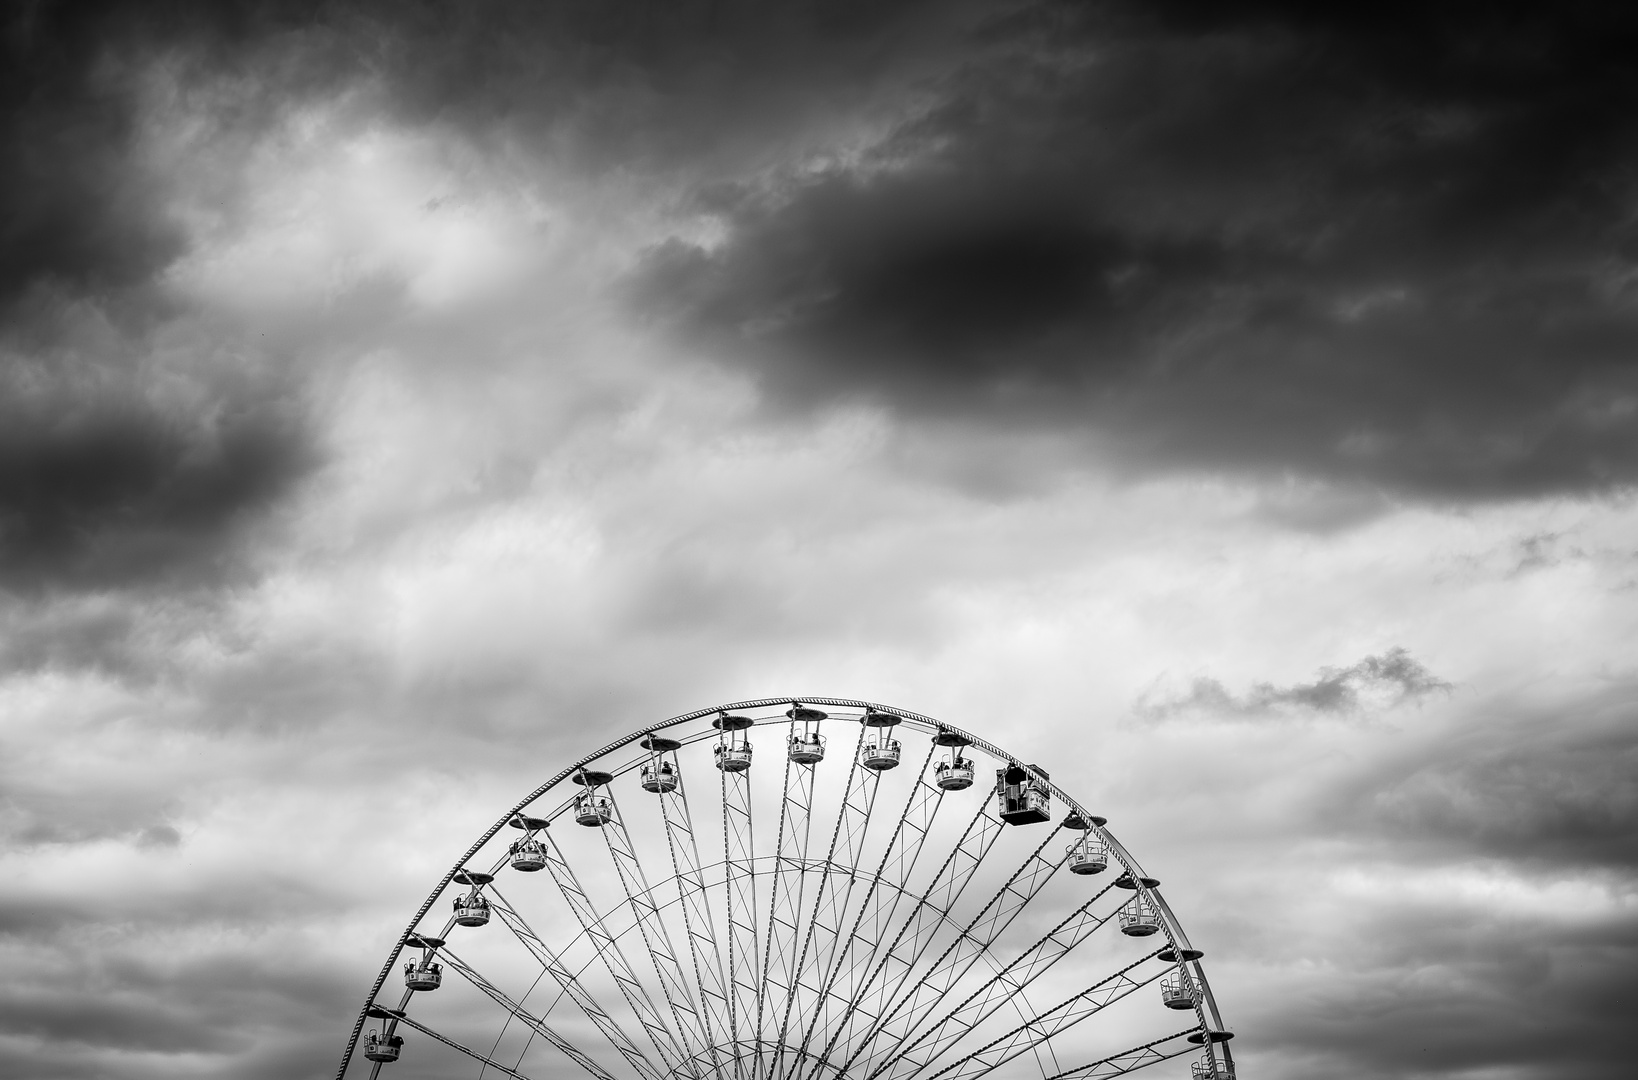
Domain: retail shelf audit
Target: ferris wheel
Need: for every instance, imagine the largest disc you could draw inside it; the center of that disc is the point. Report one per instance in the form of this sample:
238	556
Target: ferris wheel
793	889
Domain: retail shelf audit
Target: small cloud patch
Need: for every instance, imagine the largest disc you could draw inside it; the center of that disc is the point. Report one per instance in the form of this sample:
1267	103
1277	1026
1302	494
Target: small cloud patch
1373	684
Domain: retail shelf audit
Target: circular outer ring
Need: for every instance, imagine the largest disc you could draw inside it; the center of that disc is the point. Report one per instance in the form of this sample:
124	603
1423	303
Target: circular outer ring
1219	1032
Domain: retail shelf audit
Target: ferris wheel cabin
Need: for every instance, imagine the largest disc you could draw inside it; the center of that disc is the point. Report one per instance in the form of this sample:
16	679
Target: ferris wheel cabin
593	808
424	974
880	750
660	775
1023	799
471	909
807	746
382	1047
1088	855
1212	1069
1138	917
1178	990
733	749
528	855
955	771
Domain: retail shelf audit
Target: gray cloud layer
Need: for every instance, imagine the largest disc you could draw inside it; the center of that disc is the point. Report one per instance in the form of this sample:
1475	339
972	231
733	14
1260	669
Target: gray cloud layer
1393	248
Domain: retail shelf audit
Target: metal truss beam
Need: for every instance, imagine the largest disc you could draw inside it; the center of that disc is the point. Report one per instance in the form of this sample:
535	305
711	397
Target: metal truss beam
699	921
786	890
740	886
1001	989
833	899
540	1026
1043	1026
1132	1060
870	929
674	987
571	986
609	952
933	908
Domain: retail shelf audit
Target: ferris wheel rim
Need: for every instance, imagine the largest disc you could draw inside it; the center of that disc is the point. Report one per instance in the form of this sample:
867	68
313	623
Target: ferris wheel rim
1210	1031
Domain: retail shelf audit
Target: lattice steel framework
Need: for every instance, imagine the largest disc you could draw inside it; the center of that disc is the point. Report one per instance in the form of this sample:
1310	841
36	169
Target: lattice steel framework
869	918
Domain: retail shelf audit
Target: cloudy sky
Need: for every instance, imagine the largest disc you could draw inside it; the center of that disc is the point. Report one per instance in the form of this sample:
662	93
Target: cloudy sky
1234	404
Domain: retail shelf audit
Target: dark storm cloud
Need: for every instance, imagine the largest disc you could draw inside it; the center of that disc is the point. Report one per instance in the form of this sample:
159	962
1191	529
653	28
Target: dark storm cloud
1391	679
1487	923
132	1025
74	211
1392	247
1395	249
79	212
1516	995
127	495
1557	790
218	1005
101	485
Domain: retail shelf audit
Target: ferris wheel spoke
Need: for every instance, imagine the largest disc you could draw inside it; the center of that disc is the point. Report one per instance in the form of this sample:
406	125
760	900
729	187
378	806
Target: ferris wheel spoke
934	908
870	924
540	1027
795	1002
608	950
971	944
1000	990
740	888
1044	1026
787	884
835	896
699	922
571	986
1138	1057
656	939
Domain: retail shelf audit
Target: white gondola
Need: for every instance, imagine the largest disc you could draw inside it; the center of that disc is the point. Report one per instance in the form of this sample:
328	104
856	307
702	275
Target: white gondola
733	749
593	810
954	775
1138	917
660	774
1178	991
1088	855
956	771
423	975
528	855
880	755
1207	1069
382	1047
471	910
735	758
807	748
659	777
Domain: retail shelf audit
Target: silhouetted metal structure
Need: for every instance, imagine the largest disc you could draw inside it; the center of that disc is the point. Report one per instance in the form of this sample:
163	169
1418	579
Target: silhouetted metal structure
852	920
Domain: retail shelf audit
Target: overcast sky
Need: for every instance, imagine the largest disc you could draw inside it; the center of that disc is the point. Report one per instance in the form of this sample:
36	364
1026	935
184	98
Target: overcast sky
1234	404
